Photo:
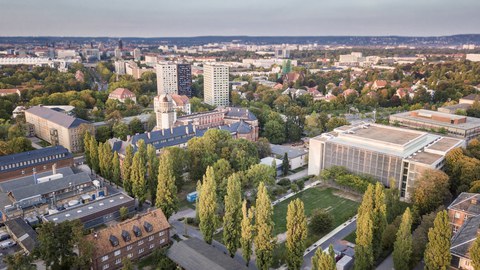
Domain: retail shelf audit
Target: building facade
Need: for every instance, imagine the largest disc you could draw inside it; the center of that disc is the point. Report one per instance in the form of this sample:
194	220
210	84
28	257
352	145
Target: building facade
465	206
122	94
35	161
58	128
383	152
184	78
133	238
215	85
461	243
167	81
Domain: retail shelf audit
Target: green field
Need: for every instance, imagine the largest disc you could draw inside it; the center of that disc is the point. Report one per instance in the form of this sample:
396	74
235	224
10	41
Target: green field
314	198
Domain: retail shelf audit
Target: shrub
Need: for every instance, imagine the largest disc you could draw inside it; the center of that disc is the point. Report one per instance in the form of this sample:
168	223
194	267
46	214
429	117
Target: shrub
300	183
284	182
321	221
294	187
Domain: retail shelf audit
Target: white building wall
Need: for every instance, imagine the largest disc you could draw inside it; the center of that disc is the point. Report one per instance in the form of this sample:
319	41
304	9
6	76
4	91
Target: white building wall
216	86
167	79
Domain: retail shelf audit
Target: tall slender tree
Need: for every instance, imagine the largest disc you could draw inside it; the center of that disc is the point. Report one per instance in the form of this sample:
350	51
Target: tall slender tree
246	239
233	215
127	169
363	250
86	148
264	239
285	164
166	188
116	168
474	252
296	234
402	251
379	219
101	159
107	160
139	185
94	155
437	254
323	261
152	172
208	205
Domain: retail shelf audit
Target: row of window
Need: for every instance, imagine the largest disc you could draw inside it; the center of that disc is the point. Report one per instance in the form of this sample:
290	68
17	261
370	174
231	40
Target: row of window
130	255
32	162
130	247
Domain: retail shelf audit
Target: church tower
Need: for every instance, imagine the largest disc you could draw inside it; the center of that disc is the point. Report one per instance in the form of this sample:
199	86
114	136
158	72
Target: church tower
165	112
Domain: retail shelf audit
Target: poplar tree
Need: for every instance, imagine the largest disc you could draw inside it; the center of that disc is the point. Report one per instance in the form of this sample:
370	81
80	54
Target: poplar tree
116	168
246	239
138	178
437	254
86	148
208	205
379	219
152	172
101	161
363	250
264	239
107	160
323	261
94	155
285	165
296	234
233	215
127	169
475	253
402	250
166	189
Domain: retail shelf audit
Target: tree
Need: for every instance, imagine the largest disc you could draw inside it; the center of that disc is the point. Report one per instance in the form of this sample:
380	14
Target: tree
103	133
120	130
402	251
259	173
233	215
335	122
379	219
247	230
263	146
127	169
321	221
274	131
475	253
19	261
363	250
107	160
421	237
94	159
208	206
296	234
323	261
116	168
223	171
137	176
166	197
135	126
264	239
152	172
285	164
123	212
86	148
437	254
127	264
431	191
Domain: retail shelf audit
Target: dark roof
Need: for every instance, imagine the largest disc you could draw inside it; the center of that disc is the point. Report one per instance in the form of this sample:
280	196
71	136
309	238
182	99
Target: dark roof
195	254
243	113
166	137
238	127
467	202
30	179
464	238
32	155
471	97
23	233
50	186
59	118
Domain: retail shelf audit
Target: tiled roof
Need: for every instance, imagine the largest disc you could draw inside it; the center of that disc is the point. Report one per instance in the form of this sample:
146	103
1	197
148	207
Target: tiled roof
195	254
23	233
56	117
102	243
9	91
467	202
121	92
180	100
32	156
464	238
243	113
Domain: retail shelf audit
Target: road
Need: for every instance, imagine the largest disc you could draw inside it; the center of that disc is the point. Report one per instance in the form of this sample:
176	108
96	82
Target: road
307	259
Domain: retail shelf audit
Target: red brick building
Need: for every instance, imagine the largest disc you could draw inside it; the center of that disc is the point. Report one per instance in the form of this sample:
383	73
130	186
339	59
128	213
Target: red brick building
465	206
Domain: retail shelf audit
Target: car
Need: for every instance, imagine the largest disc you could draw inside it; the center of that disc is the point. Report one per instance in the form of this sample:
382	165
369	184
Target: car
4	236
7	244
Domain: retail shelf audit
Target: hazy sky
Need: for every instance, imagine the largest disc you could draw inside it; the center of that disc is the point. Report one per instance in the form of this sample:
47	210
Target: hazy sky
172	18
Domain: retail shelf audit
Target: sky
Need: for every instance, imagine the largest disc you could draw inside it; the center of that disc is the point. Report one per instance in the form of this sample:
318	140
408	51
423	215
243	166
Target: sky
186	18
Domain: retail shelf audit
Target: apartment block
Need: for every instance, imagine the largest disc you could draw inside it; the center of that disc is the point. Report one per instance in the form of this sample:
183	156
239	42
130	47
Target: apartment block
383	152
58	128
167	80
134	238
215	85
184	77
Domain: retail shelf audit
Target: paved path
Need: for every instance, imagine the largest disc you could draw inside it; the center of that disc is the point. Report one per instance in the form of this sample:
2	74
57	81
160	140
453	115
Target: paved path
298	175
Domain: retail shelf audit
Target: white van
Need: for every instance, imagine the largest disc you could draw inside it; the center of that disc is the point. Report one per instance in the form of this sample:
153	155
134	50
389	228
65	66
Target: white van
7	244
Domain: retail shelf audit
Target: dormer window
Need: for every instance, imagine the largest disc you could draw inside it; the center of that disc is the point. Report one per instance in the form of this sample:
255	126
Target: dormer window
113	240
126	236
148	227
137	231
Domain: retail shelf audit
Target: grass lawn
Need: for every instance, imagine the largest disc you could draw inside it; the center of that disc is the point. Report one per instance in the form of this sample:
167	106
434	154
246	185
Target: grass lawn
314	198
351	237
187	187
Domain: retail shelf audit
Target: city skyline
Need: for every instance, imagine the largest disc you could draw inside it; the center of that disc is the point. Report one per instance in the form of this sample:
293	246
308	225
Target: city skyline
190	18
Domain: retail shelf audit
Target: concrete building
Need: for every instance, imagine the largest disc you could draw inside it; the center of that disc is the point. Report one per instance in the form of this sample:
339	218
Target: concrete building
137	54
133	239
215	85
297	157
181	103
97	212
184	79
461	243
383	152
474	57
122	94
22	233
454	125
35	161
167	80
13	91
465	206
58	128
119	67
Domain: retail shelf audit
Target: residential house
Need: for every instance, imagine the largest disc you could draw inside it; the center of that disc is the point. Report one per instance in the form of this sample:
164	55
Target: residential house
13	91
464	207
379	84
461	243
122	94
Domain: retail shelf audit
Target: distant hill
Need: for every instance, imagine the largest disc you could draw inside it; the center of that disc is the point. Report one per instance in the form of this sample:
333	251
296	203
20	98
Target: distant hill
321	40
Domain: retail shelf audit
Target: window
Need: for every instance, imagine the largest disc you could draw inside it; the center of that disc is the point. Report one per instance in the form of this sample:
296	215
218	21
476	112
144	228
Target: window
161	233
162	241
140	242
130	255
129	247
104	258
150	238
140	251
152	246
117	252
457	215
118	261
106	266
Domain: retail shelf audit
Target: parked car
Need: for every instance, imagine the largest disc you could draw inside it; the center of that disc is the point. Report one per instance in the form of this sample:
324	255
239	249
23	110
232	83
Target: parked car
7	244
4	236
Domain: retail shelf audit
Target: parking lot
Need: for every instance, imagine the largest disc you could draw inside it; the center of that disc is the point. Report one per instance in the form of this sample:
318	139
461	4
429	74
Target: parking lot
6	251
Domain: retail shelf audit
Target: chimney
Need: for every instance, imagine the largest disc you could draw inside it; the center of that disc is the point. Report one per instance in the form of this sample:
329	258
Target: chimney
194	128
54	168
186	129
474	200
148	135
171	130
163	132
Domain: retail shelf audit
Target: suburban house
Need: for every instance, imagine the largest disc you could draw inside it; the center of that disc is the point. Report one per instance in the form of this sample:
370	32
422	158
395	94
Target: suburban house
13	91
122	94
461	243
379	84
297	157
465	206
